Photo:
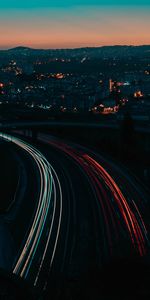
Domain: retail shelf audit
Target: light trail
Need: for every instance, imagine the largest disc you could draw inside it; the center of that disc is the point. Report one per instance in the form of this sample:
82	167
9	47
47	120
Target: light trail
134	227
49	185
118	210
51	227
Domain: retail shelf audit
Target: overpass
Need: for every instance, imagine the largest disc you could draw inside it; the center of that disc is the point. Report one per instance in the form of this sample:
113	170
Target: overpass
65	124
99	133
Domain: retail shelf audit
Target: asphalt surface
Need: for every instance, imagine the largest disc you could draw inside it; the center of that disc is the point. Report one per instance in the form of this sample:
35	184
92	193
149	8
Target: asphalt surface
118	197
90	212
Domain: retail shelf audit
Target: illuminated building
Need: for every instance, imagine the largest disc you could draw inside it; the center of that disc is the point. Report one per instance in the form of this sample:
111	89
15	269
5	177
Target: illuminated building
115	90
111	83
138	94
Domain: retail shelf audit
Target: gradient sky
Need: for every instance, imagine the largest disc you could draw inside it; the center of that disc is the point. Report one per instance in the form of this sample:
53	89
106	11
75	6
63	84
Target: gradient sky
73	23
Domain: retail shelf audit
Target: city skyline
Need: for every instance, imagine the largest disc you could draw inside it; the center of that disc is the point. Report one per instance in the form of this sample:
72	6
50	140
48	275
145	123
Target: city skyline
73	24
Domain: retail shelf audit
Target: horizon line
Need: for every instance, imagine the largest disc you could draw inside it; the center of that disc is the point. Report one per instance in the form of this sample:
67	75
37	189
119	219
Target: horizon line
73	48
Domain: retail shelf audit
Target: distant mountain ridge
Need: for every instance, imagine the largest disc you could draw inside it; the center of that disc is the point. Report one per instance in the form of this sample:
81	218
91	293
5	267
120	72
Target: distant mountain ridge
88	52
26	48
20	48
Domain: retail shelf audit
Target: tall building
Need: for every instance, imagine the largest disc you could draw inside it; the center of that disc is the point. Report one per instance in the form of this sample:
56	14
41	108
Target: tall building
111	83
114	88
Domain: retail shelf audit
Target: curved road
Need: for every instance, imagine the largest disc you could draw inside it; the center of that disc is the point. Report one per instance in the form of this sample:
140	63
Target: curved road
120	213
92	209
50	191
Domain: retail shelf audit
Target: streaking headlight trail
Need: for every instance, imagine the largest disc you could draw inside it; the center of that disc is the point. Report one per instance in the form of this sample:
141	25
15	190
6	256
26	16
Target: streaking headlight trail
48	197
120	211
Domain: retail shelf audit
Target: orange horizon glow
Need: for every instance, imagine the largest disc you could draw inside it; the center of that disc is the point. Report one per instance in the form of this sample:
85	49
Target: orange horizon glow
75	29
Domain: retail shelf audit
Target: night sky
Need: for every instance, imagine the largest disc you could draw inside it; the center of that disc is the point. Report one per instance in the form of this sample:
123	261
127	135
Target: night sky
73	23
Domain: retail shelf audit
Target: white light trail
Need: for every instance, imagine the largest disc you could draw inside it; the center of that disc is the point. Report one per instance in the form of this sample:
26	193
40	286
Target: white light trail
48	182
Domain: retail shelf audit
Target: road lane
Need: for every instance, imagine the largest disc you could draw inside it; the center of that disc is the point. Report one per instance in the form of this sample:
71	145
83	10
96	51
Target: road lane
48	190
105	201
125	214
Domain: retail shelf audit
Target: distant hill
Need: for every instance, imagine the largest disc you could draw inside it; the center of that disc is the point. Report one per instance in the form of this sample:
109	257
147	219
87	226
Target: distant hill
20	48
116	51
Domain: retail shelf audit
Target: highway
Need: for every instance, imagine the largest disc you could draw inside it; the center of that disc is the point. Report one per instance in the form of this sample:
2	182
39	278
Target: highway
49	197
89	211
118	197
